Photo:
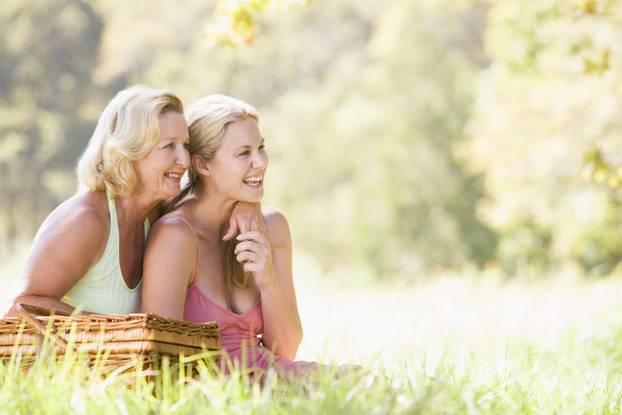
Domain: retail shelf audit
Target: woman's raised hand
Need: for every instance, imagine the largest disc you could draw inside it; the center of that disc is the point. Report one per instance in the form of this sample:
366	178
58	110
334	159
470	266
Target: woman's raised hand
245	217
255	253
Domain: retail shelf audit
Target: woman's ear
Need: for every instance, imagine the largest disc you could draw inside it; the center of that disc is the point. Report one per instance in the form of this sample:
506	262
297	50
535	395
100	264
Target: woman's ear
200	164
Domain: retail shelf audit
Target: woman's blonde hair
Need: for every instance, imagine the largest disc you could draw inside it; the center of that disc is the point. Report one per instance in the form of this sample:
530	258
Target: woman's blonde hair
127	130
207	120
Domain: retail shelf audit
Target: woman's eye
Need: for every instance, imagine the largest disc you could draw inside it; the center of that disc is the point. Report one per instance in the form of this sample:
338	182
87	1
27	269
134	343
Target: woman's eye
169	146
262	147
244	153
187	145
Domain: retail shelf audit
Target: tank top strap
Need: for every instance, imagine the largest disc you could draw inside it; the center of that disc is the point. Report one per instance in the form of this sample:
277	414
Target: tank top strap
196	262
113	234
112	210
146	226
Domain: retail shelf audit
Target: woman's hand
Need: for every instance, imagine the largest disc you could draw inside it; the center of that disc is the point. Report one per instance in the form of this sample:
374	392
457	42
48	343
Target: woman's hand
245	217
255	253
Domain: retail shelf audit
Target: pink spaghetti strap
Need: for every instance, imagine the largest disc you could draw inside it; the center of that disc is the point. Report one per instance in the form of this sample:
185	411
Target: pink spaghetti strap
196	263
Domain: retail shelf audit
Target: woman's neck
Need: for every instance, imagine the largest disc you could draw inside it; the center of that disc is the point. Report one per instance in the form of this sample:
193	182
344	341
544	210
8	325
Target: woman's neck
134	208
210	209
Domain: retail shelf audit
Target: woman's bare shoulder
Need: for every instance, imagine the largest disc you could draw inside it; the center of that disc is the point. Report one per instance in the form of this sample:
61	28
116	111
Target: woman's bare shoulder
85	210
277	227
174	225
172	245
72	237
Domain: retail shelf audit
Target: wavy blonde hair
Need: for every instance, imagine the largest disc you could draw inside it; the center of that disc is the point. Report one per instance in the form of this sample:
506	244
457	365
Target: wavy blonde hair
207	120
127	130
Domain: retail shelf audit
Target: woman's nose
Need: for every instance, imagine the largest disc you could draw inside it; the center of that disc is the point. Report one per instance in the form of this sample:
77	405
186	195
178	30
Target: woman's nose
259	161
183	157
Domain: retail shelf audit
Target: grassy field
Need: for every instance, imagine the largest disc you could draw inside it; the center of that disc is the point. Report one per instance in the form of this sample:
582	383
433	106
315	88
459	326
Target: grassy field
454	344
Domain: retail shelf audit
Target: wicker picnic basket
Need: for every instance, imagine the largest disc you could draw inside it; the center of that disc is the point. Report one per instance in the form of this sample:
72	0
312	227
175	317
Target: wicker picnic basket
120	337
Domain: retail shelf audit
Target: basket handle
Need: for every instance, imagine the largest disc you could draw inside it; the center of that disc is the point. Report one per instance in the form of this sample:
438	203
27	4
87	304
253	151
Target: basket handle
26	312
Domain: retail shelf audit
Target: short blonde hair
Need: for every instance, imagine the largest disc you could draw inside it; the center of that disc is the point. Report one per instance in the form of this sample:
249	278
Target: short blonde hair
207	122
127	130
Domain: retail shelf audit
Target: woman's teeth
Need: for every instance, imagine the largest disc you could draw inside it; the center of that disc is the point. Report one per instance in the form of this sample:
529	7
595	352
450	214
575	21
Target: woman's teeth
175	176
253	181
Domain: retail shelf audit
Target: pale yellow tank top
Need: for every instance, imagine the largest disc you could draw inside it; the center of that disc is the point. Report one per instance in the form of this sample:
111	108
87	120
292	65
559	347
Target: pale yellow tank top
103	289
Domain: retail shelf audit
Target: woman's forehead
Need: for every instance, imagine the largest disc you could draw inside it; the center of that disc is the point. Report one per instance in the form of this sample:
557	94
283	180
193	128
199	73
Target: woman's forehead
242	133
173	125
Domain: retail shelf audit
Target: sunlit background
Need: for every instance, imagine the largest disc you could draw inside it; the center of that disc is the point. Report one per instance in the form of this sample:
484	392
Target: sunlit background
451	169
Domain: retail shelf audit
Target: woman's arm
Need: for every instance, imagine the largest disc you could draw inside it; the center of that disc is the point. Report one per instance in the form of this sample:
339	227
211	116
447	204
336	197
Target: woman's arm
270	261
168	268
69	242
246	216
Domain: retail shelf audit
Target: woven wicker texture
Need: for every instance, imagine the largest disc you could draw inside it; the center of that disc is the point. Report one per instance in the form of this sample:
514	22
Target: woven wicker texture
119	334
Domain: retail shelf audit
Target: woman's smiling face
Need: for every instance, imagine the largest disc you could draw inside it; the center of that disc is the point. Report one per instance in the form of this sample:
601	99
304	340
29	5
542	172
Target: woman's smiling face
238	167
159	173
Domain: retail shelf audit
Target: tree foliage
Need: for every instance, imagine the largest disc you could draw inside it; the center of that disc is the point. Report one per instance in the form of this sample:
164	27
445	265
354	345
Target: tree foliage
548	117
234	21
47	55
405	136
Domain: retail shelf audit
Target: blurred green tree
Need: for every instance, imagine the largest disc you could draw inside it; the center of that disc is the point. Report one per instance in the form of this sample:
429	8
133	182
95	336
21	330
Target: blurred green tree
234	21
376	182
548	117
392	151
362	110
48	51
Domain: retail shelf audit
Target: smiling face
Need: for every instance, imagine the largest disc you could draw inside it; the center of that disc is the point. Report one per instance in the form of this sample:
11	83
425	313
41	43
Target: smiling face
159	173
238	167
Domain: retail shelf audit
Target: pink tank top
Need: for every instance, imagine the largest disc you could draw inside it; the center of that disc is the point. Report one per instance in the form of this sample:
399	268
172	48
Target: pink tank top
239	333
236	330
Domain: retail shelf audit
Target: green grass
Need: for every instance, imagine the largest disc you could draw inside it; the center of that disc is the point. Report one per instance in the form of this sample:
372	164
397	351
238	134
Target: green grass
581	374
448	345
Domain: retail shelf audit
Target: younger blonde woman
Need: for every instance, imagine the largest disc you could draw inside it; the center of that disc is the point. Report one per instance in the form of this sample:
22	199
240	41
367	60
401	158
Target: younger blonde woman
245	286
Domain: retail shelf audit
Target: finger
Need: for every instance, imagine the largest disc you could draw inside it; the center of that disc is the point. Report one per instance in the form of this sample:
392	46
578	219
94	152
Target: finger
233	229
254	225
247	246
252	267
245	257
252	235
243	227
243	224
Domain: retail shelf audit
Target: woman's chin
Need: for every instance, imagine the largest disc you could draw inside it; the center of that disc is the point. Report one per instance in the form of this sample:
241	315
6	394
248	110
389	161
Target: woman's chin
250	200
171	192
255	197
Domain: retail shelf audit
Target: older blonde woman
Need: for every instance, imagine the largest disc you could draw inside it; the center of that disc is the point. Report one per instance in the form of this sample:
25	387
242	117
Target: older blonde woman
88	253
246	286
